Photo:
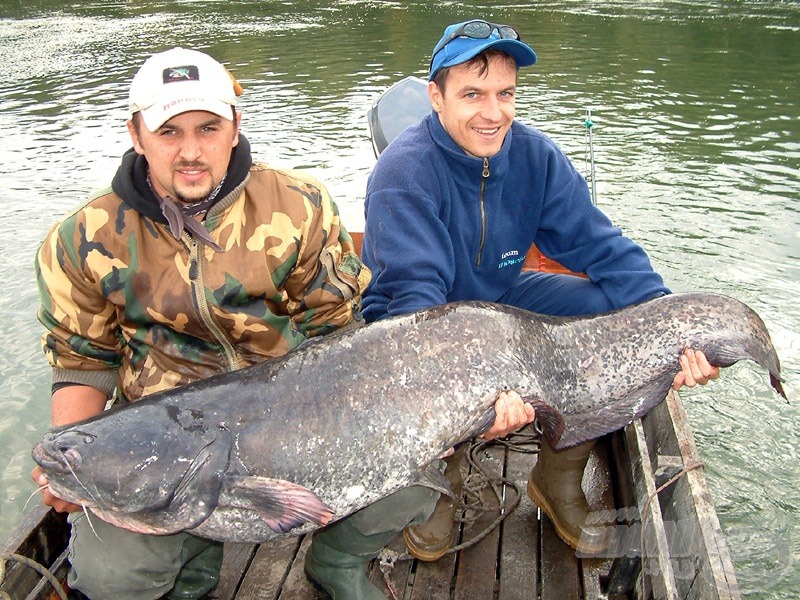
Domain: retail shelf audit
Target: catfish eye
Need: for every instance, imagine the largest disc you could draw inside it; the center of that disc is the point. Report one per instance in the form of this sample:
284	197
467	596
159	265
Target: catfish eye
87	438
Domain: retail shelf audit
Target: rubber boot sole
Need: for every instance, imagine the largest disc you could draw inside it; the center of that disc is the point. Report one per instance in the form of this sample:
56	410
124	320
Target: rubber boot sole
423	555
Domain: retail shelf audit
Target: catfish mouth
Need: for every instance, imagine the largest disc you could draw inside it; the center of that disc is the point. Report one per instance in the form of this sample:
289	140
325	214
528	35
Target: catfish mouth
55	462
60	450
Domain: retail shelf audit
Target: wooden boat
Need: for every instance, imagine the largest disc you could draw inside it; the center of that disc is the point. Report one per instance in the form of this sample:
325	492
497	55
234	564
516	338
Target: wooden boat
645	483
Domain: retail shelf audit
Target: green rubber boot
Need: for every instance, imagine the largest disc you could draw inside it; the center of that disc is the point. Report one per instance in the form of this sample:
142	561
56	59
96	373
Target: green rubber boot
202	561
339	554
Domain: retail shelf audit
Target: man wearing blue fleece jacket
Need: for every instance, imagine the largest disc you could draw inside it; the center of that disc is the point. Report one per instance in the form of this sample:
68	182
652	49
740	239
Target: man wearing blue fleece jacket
452	207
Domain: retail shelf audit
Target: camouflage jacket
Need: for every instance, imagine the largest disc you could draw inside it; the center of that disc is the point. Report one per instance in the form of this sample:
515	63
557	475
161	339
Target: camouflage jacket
126	305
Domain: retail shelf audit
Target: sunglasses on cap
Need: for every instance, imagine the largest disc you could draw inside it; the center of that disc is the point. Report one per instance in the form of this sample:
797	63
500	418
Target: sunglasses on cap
479	30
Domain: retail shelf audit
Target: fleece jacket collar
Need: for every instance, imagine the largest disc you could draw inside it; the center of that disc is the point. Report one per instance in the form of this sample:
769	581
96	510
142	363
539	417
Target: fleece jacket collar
498	164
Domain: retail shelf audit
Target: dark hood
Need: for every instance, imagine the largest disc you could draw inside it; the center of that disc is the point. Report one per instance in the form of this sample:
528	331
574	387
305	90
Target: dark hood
130	180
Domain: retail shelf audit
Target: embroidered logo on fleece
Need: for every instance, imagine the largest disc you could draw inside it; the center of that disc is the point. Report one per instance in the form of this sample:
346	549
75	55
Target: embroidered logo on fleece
510	258
185	73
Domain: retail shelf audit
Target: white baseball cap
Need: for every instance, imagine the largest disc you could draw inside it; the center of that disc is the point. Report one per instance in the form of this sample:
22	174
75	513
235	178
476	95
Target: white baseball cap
180	80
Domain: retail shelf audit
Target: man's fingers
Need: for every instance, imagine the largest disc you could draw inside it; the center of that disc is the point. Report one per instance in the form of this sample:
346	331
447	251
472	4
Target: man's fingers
695	369
38	477
686	369
706	368
530	412
511	414
677	383
502	409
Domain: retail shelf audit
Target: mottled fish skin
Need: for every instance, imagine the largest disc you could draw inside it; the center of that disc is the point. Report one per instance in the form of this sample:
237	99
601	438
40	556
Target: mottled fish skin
284	447
622	364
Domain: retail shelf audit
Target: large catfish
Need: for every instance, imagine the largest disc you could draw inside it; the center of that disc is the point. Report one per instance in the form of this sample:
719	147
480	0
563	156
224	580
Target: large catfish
289	445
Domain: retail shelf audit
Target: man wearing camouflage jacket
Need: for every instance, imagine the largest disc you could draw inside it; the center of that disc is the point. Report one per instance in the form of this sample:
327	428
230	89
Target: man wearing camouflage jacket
194	262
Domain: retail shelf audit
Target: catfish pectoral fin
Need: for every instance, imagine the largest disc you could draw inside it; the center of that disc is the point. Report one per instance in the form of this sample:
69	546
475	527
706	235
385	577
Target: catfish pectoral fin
282	504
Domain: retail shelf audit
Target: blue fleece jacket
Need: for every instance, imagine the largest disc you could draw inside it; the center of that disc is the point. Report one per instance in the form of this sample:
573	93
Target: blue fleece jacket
443	226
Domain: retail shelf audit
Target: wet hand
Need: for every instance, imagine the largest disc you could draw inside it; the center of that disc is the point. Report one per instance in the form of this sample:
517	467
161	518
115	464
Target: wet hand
512	414
48	498
695	369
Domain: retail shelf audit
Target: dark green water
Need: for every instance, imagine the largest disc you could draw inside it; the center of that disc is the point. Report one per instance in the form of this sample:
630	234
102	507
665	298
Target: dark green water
696	110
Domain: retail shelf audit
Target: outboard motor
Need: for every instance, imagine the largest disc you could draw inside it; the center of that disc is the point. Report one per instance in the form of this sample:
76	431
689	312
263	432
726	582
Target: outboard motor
403	104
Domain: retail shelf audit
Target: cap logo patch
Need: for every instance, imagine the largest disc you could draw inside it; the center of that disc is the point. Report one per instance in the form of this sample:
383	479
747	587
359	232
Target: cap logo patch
187	73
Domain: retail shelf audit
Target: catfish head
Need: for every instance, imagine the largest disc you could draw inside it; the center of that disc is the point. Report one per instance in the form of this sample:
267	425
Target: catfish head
150	467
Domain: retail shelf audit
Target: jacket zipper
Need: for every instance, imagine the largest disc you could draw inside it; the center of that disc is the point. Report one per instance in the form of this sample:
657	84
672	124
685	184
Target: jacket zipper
484	177
198	290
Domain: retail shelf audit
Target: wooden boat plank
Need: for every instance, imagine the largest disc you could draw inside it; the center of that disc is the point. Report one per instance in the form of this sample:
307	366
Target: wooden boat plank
655	554
236	560
594	575
42	536
600	495
701	559
519	542
559	566
626	565
295	584
400	575
432	580
477	566
720	578
44	590
272	563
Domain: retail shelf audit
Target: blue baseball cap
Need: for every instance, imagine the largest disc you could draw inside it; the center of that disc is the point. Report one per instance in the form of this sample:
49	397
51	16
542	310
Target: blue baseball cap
458	45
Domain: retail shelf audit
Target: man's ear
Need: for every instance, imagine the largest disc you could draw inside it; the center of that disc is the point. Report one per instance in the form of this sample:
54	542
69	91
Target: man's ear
134	136
236	125
435	96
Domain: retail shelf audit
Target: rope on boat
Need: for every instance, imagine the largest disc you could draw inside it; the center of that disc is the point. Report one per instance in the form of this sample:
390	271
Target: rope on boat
471	504
42	570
